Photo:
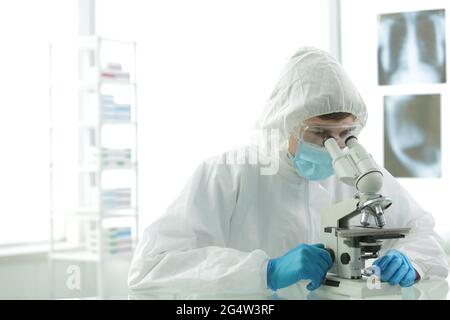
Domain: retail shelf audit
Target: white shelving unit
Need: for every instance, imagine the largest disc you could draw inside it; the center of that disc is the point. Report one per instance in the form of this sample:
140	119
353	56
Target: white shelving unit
104	224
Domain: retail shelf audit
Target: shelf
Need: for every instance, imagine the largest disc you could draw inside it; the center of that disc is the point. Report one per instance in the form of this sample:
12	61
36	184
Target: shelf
92	41
112	72
75	255
85	255
133	166
94	210
105	123
93	85
116	82
93	214
112	123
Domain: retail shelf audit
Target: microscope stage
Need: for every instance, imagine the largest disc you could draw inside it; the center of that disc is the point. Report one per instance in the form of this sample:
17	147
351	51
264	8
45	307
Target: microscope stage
375	232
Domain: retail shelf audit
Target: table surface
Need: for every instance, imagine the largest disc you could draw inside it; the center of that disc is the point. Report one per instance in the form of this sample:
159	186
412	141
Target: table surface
424	290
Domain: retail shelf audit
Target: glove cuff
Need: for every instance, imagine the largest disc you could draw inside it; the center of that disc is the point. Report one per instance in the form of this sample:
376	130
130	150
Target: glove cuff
270	272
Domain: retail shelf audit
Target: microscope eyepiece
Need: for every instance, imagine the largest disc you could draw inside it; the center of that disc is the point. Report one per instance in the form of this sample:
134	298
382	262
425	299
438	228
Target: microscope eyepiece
350	137
325	139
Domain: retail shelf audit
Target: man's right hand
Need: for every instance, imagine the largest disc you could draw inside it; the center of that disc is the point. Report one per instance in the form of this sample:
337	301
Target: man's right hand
304	262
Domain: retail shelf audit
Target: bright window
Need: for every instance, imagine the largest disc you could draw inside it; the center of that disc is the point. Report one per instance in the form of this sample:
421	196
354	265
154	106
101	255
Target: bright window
26	29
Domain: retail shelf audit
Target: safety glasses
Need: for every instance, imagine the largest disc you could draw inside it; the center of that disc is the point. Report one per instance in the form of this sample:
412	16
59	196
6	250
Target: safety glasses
317	133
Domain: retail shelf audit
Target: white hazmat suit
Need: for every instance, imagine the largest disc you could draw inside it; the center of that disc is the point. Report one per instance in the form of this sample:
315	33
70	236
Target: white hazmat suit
230	219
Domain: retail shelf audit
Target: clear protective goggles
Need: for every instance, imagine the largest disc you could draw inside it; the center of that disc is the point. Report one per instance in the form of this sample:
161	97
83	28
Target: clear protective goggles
317	133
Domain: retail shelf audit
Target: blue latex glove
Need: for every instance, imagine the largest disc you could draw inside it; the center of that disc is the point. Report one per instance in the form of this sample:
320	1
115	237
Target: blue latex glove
396	268
305	262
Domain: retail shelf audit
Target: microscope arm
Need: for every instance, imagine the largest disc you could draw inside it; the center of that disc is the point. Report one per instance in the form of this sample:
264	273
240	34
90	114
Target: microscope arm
340	213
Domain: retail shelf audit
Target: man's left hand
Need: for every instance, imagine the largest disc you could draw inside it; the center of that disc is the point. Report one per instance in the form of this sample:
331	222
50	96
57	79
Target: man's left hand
396	268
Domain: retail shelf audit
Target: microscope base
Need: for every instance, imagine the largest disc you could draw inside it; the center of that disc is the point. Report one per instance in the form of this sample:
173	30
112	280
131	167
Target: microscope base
360	288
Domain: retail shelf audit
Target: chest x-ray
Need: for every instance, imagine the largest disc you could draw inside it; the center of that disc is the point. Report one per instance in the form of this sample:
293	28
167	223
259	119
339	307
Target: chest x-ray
411	47
412	135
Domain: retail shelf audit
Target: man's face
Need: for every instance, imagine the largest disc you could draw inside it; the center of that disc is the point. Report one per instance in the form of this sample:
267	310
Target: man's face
316	129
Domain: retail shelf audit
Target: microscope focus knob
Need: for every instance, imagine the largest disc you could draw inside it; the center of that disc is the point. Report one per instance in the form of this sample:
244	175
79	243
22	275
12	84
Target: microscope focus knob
345	258
331	252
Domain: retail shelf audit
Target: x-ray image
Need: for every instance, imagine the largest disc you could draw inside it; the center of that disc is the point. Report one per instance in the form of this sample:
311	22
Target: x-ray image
411	47
412	135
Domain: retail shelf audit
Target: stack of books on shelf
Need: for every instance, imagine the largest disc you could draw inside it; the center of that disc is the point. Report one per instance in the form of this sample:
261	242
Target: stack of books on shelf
116	157
112	112
113	71
115	240
119	198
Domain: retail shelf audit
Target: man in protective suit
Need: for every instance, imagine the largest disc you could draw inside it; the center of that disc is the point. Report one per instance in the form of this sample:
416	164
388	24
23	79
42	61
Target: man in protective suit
234	229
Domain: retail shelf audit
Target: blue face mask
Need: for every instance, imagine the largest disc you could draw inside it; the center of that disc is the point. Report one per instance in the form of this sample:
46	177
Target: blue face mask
312	162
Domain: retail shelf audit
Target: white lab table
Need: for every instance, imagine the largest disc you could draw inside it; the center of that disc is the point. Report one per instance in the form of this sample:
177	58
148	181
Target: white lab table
424	290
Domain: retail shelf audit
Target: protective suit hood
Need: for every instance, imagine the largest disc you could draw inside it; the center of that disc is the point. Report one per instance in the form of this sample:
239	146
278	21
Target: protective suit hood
312	83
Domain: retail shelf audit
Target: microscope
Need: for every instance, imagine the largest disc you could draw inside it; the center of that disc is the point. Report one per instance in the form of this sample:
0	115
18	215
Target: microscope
351	245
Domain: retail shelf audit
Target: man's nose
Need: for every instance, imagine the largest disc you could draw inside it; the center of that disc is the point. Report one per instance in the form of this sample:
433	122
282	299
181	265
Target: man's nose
340	142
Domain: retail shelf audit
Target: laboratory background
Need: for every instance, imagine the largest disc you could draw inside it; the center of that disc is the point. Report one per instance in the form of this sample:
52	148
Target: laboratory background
108	107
